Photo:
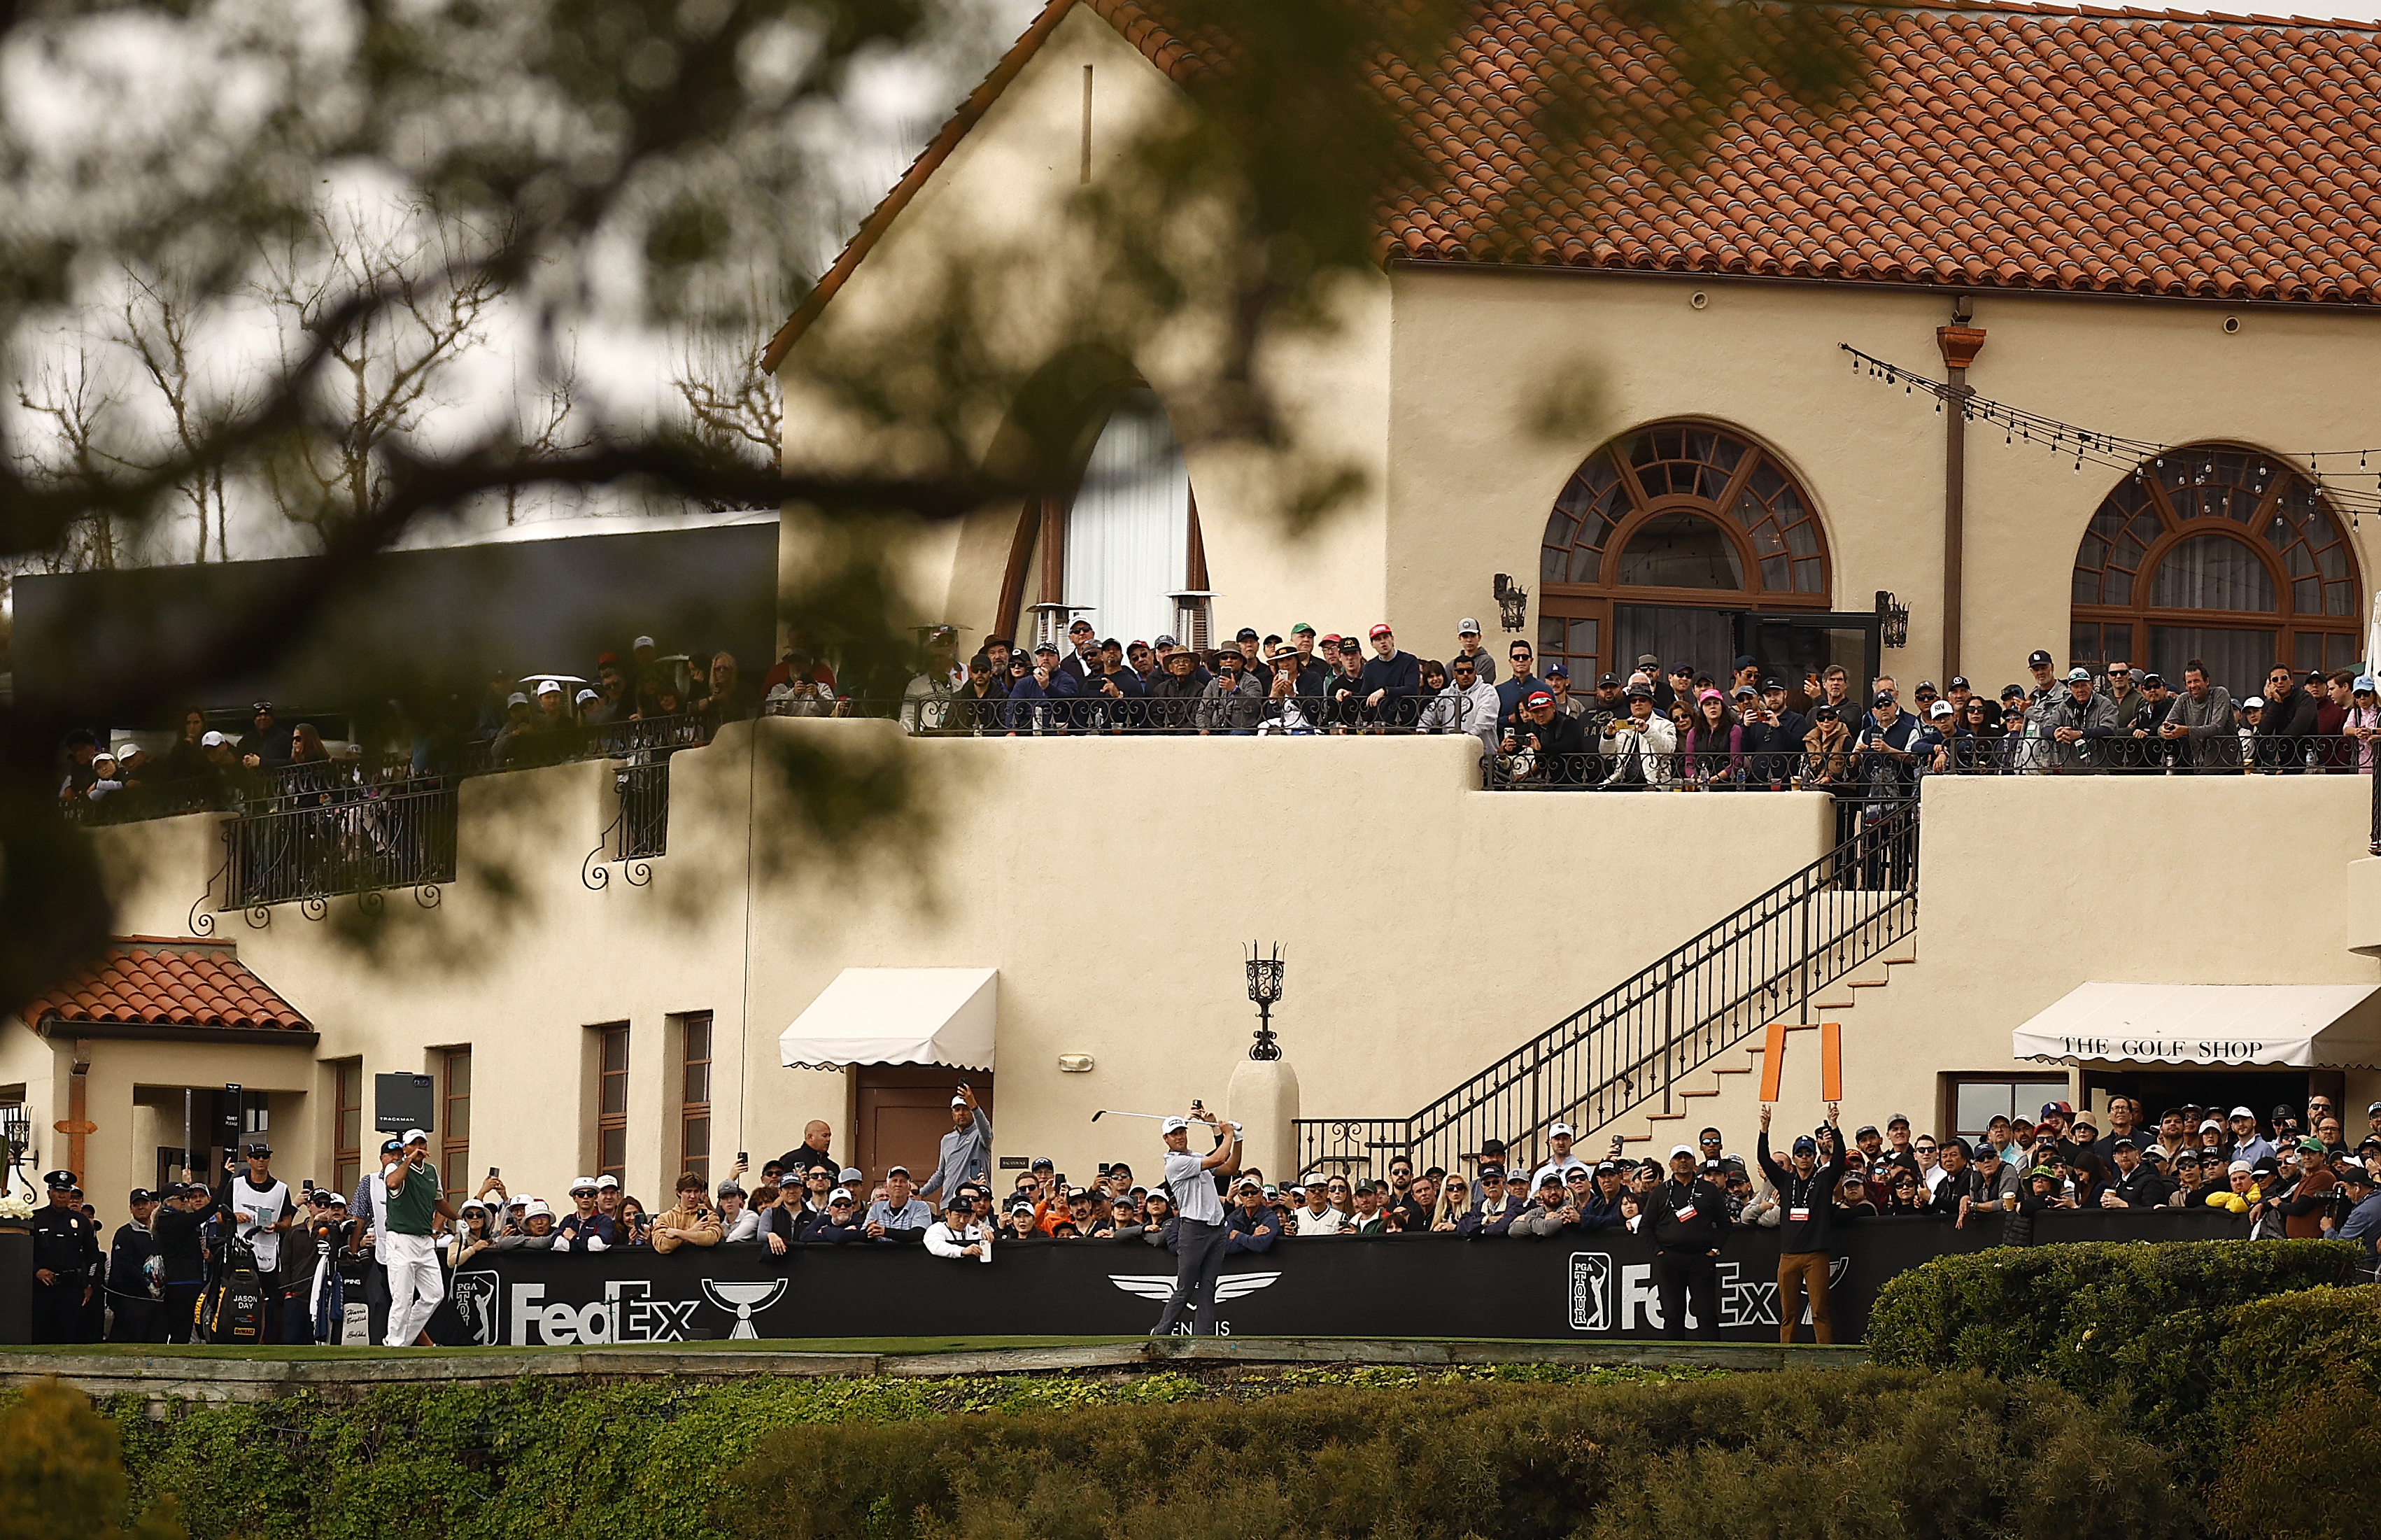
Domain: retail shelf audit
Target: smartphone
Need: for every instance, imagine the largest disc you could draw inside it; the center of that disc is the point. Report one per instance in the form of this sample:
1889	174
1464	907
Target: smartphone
743	1157
492	1171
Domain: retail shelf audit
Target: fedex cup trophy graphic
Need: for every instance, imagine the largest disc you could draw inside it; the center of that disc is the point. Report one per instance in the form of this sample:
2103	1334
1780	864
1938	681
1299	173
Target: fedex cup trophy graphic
745	1299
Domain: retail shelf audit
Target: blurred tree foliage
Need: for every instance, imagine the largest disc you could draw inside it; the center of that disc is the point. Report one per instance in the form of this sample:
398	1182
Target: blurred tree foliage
639	167
63	1468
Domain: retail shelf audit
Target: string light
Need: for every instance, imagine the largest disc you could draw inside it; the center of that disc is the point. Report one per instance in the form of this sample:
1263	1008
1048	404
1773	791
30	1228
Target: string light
2116	451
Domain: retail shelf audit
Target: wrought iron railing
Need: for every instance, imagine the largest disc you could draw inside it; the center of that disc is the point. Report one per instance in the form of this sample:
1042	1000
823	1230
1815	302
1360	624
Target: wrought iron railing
310	846
1633	1044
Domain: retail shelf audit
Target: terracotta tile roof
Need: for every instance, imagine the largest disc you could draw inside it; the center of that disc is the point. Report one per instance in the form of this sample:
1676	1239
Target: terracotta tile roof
148	980
2005	146
2002	146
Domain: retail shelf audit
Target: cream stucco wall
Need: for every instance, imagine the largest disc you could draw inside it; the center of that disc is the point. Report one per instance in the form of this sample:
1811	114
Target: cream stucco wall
1430	928
1474	351
2033	885
997	222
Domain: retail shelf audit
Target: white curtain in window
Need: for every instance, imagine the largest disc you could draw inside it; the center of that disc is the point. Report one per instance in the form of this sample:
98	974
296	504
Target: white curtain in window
1127	535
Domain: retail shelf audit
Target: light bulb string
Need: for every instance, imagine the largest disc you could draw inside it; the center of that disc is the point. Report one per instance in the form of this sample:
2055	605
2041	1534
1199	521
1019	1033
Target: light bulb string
2118	451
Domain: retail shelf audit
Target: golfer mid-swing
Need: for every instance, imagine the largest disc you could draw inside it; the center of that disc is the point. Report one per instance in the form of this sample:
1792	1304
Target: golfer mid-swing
1199	1234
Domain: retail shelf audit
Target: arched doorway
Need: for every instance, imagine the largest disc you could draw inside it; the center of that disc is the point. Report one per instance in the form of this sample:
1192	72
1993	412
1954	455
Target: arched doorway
1690	542
1119	545
2220	553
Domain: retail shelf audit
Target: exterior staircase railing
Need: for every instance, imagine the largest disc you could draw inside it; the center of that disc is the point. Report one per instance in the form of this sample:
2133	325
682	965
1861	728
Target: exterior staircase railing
1764	962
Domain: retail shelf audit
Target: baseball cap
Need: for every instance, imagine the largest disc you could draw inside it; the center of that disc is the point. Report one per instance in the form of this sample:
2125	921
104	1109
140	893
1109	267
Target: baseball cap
1609	681
1560	1130
1746	660
1246	633
1165	641
604	1181
2059	1108
141	1195
1987	1150
1557	670
1678	1150
2355	1175
959	1101
1538	698
849	1173
1806	1145
2363	683
1379	631
897	1170
216	741
259	1147
1549	1178
390	1146
2311	1145
2079	675
1302	625
584	696
2037	659
515	699
416	1136
641	643
2243	1112
2254	702
1880	699
1467	627
1959	681
1940	708
1174	1125
2241	1166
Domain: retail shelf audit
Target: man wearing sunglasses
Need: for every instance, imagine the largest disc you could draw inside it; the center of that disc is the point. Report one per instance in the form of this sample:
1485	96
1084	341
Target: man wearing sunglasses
2286	726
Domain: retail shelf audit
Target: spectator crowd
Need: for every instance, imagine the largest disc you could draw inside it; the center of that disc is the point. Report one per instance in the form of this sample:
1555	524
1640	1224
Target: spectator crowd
338	1265
1684	725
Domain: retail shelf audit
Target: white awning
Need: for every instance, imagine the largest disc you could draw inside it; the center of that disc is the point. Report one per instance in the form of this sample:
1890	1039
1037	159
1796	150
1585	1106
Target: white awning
897	1015
2303	1026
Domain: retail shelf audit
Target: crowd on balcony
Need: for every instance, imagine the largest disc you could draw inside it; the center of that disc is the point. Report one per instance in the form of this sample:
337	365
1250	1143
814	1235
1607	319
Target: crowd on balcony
1684	725
648	704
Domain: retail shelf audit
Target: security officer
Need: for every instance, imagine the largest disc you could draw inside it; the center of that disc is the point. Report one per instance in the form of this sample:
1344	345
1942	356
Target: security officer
1687	1216
66	1264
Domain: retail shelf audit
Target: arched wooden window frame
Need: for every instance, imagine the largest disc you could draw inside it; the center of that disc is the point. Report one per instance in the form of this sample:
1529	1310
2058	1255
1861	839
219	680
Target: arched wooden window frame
2285	619
1043	517
1566	603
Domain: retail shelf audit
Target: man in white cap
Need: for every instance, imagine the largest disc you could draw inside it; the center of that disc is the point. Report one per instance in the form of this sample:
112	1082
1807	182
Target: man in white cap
1200	1235
2246	1143
966	1150
1467	645
415	1285
1559	1164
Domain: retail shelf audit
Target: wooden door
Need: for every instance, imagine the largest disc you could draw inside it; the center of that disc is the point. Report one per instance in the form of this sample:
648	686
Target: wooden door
901	1111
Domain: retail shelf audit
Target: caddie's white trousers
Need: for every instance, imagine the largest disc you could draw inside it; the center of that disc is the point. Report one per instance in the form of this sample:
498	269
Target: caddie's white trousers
414	1285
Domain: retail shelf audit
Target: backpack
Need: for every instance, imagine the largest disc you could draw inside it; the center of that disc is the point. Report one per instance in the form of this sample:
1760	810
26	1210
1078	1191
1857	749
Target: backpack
234	1311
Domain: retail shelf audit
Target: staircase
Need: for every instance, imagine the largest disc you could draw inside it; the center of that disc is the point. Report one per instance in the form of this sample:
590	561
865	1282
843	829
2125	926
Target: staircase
1726	1096
1632	1048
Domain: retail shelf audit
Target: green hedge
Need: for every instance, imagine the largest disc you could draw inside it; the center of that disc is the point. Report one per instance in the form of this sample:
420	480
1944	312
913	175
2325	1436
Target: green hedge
545	1460
2147	1325
1875	1454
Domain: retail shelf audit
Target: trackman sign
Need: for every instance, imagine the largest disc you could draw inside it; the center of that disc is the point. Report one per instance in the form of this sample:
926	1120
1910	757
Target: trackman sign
1605	1297
516	1313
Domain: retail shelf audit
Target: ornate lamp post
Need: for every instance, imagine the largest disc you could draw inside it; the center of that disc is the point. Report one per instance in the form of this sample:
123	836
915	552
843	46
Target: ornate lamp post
1895	616
1512	603
1264	988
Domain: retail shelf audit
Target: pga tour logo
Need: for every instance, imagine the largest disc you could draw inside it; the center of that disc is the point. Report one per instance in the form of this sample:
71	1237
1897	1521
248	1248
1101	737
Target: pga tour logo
1743	1302
629	1312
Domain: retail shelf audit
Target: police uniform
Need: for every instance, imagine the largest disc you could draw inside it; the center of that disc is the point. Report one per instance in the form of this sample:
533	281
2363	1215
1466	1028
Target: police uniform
63	1247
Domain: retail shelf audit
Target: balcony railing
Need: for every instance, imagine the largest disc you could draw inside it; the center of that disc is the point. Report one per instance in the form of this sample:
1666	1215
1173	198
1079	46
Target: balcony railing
309	844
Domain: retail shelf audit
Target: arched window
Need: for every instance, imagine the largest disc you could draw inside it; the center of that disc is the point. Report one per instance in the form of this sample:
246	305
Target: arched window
1120	547
1661	538
2223	555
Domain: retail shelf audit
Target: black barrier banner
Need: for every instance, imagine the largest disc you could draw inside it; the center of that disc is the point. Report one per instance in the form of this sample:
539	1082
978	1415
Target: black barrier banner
1595	1284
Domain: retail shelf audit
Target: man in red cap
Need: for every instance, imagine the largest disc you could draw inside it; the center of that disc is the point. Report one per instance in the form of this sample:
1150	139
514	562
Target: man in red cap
1391	681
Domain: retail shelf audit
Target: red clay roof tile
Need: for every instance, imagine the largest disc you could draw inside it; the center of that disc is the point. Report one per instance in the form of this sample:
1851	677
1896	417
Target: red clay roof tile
168	984
2245	133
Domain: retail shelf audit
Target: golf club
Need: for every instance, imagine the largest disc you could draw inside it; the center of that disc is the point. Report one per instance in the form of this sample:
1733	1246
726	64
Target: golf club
1153	1117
